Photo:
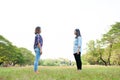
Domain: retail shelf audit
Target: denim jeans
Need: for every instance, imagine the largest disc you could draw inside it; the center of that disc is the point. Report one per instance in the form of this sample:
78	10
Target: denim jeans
37	57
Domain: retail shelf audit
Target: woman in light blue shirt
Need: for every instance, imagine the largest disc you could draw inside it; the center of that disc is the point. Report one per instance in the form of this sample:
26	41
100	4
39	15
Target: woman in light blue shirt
77	49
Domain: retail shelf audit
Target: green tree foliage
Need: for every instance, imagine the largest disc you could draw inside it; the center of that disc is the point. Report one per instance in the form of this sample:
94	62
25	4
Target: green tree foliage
56	62
6	51
11	55
111	38
107	50
92	56
28	56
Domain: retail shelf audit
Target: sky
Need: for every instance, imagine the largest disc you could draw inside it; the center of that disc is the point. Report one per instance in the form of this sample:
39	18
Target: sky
58	19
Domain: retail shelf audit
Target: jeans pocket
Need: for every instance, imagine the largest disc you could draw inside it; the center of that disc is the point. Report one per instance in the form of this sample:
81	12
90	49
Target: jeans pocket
37	49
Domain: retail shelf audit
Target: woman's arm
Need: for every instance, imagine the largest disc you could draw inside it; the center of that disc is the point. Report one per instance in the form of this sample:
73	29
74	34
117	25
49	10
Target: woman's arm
79	44
39	46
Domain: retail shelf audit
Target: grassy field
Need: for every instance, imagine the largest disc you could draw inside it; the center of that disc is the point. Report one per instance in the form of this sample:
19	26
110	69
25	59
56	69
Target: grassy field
61	73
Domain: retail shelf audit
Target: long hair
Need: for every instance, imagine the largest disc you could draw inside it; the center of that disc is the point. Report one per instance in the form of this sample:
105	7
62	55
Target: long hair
37	30
77	33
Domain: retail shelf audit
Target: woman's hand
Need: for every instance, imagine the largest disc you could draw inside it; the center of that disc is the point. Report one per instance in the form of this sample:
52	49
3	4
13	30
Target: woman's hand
40	52
40	48
78	52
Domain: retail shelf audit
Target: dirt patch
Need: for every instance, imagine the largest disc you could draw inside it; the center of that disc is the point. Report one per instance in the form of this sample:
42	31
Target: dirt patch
1	78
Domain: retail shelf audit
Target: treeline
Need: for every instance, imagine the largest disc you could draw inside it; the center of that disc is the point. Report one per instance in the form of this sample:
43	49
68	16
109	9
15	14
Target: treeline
11	55
56	62
105	51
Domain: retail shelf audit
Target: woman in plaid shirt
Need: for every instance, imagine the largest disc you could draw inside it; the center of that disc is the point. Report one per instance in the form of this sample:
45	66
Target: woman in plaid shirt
37	47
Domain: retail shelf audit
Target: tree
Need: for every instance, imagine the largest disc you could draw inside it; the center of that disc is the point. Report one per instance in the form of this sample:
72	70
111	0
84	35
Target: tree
56	62
112	37
100	51
107	50
17	57
5	50
92	54
28	57
12	55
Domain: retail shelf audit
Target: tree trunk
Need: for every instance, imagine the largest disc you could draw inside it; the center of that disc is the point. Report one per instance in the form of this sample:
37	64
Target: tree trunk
1	63
105	63
14	63
109	56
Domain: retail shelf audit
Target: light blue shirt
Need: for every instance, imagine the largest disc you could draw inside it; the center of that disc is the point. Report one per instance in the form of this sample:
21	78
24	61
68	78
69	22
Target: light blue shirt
77	44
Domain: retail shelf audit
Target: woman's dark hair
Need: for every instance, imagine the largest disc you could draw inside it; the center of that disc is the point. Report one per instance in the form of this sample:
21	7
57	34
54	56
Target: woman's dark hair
77	33
37	30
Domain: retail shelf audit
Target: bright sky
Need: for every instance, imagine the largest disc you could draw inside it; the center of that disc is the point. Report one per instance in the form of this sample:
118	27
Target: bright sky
58	19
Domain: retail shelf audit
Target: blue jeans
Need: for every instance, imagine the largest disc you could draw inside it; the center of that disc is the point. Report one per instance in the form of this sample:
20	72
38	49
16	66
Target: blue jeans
37	57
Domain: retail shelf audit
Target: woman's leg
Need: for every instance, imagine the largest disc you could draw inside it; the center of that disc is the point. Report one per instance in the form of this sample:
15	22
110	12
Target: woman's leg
78	61
37	51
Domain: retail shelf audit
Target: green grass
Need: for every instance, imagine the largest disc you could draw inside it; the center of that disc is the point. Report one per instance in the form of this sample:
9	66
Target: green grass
61	73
